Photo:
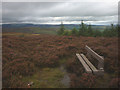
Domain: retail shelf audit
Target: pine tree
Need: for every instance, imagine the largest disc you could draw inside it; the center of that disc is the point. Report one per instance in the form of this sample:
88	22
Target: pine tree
82	29
90	32
112	27
113	31
61	31
74	31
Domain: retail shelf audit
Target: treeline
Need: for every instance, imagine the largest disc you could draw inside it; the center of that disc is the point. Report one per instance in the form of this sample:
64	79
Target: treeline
87	30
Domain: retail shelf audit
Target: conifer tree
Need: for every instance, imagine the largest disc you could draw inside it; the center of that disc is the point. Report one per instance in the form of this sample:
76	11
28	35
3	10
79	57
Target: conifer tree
61	31
90	32
74	31
82	29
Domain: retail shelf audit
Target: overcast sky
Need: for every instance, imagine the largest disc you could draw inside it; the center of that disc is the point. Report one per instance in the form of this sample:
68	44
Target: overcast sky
103	13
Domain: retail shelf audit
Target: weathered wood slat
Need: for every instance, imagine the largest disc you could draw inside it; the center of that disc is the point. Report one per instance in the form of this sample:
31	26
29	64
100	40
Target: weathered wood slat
94	54
89	64
87	69
98	57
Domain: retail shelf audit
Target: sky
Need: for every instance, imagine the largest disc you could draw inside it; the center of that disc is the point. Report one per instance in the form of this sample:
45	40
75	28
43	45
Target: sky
97	13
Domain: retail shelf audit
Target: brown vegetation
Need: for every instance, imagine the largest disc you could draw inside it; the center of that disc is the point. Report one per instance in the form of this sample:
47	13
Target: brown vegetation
23	54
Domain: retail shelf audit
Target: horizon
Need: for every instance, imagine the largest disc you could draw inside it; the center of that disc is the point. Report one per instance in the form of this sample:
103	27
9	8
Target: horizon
52	24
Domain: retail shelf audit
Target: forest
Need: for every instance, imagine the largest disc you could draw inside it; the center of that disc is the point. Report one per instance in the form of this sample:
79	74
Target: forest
87	30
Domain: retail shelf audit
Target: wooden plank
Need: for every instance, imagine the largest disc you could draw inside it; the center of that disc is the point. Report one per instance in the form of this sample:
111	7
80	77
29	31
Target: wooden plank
87	69
89	64
98	57
94	54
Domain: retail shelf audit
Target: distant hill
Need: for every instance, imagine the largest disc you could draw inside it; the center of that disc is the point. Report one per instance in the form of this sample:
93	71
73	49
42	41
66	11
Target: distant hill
67	26
43	28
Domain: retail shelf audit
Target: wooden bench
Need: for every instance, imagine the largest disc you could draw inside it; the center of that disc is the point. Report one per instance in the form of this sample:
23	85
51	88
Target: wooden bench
89	67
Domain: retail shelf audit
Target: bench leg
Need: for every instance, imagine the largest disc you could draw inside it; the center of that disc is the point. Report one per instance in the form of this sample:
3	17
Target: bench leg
100	66
99	73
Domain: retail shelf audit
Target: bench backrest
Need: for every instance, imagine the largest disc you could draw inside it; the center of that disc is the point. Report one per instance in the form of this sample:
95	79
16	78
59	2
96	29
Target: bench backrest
100	59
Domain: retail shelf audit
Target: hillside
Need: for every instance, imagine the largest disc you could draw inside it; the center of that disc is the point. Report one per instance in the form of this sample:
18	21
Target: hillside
47	60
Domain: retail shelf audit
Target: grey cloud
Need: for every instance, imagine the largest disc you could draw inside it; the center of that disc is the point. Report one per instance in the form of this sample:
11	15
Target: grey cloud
44	12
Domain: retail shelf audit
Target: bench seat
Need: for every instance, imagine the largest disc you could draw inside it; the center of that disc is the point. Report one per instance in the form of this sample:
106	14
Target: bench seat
92	67
87	68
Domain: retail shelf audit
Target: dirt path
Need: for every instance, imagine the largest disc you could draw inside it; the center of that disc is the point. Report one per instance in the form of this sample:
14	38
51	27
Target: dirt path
66	79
